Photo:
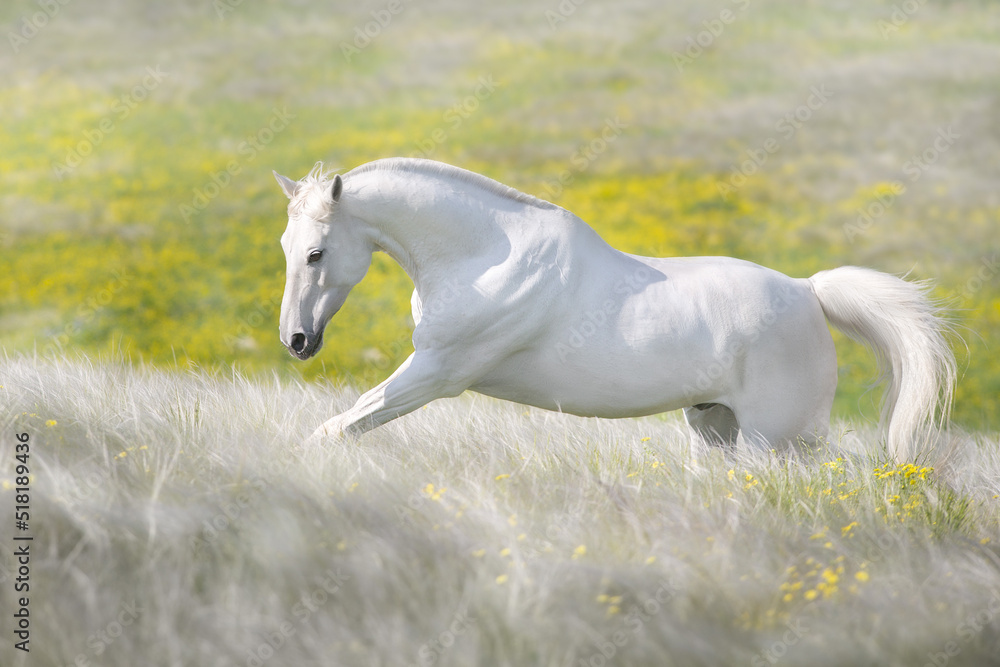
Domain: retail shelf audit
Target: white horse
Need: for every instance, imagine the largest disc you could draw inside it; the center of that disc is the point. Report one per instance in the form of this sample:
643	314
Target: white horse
519	299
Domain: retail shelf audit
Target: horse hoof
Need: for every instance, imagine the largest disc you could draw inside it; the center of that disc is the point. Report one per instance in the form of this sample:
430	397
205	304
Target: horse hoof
325	433
315	439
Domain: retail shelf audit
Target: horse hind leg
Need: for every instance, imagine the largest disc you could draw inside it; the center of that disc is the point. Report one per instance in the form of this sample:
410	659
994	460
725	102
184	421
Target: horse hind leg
788	383
714	423
787	425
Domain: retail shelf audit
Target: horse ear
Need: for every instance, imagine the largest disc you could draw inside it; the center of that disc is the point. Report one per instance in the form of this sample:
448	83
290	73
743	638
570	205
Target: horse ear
288	186
338	187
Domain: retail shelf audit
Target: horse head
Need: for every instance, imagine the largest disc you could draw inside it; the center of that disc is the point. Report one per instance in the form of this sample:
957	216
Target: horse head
326	254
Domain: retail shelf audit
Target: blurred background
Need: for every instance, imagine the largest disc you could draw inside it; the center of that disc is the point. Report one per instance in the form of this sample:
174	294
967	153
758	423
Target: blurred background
139	217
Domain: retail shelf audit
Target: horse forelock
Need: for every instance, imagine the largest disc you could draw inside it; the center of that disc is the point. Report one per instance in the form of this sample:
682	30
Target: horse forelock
312	196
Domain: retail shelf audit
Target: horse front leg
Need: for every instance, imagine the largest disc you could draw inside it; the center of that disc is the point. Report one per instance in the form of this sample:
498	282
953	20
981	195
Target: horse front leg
418	381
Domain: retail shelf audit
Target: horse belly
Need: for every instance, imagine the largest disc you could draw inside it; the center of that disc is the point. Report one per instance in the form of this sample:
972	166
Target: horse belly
595	380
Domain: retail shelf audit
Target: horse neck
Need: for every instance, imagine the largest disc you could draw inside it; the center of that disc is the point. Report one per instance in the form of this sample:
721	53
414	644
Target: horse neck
427	223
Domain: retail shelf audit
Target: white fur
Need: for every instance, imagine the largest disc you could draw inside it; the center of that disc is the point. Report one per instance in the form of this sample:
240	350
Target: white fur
900	324
519	299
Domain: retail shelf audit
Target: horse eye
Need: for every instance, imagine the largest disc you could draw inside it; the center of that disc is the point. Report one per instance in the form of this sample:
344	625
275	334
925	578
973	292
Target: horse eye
315	256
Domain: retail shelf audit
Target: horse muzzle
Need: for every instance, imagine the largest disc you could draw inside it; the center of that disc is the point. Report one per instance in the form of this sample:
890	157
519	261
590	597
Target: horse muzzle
302	345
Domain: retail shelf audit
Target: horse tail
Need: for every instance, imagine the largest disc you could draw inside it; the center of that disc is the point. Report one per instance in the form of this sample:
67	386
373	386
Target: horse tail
904	328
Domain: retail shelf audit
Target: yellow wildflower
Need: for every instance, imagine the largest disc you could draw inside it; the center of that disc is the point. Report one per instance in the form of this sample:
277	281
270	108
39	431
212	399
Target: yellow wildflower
432	493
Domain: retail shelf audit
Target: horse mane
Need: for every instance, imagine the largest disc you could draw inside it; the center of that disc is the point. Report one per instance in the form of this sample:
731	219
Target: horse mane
317	182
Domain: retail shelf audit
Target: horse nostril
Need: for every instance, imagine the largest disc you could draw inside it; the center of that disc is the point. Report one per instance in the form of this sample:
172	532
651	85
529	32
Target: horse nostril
298	342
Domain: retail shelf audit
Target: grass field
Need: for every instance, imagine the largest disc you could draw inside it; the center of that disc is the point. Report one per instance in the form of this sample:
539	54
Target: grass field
178	521
177	518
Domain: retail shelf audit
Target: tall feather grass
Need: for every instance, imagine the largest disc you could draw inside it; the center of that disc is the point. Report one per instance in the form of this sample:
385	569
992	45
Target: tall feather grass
178	520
